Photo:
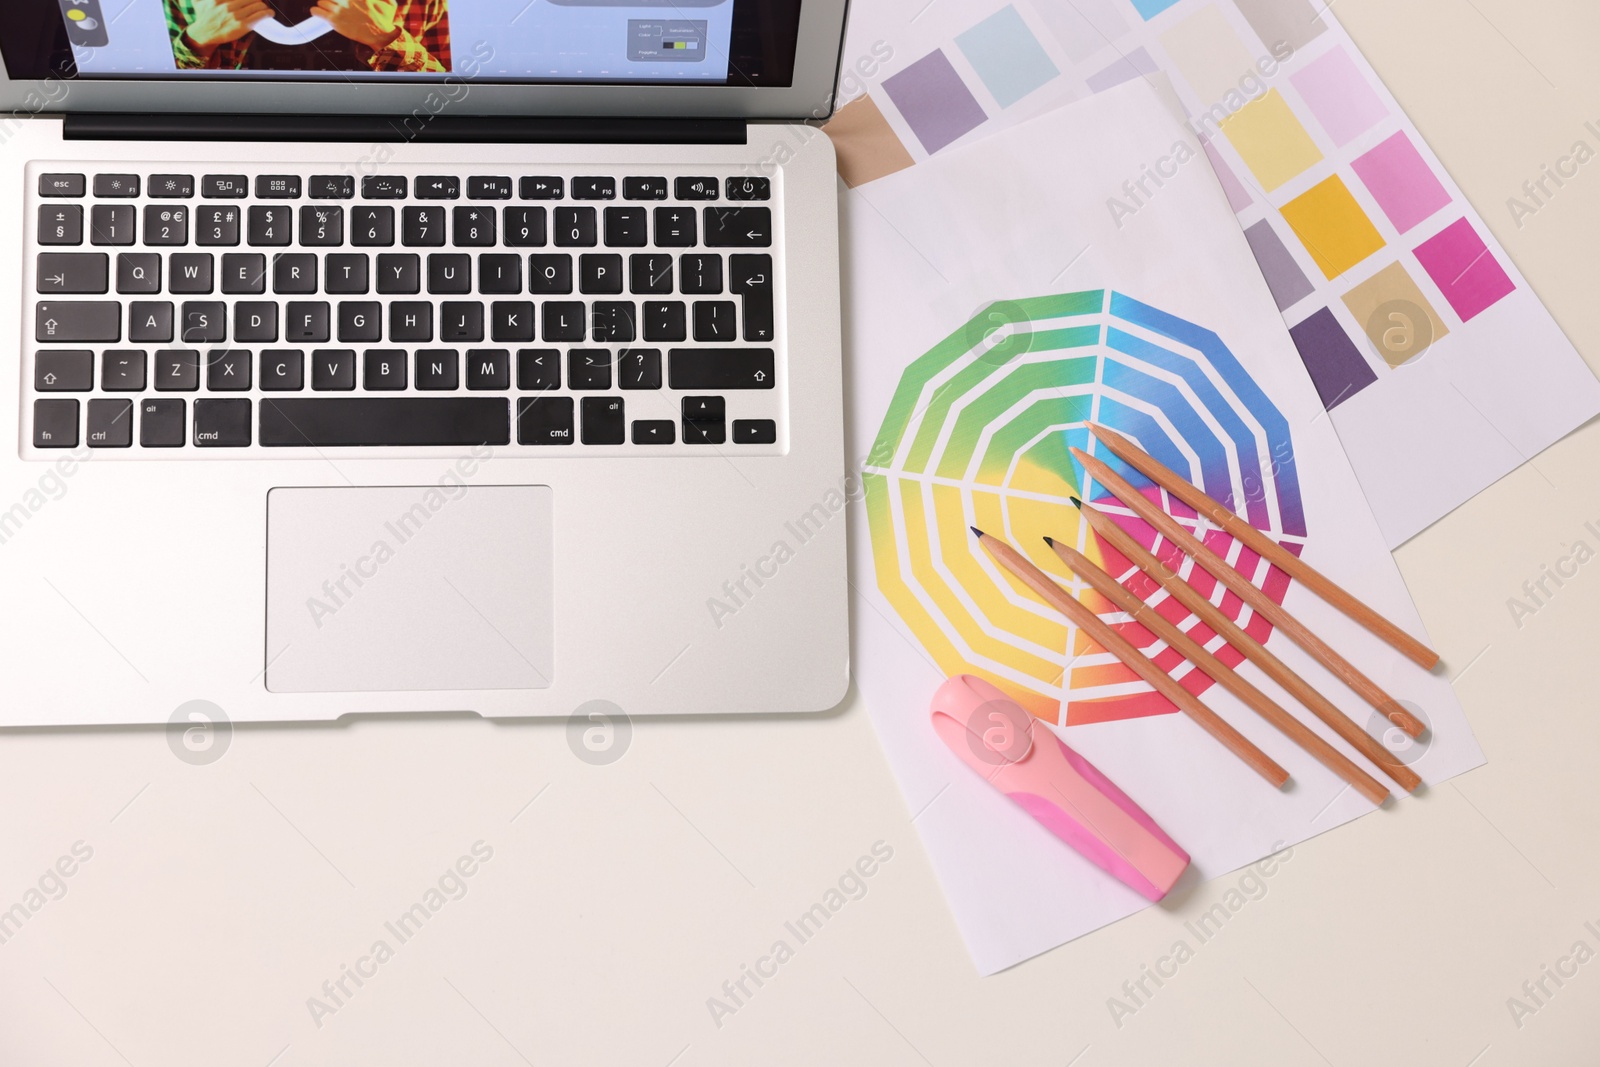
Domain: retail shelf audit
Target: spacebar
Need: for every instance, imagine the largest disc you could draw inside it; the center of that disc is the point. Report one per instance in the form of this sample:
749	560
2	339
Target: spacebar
328	422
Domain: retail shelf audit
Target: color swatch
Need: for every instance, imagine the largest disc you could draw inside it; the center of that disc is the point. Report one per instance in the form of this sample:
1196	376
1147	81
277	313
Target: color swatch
1332	226
1149	9
1401	181
1271	141
1335	364
1395	315
1280	23
1084	26
866	146
1007	56
934	101
1287	281
1340	97
1464	269
1208	53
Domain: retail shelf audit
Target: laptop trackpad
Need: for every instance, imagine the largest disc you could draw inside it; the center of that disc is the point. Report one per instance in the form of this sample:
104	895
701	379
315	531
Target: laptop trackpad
409	587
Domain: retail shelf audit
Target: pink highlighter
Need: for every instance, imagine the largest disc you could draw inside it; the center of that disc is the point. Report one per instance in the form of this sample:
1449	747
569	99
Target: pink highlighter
1023	759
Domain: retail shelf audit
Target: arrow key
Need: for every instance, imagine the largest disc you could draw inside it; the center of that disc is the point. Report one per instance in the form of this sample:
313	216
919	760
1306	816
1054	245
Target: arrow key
64	371
73	272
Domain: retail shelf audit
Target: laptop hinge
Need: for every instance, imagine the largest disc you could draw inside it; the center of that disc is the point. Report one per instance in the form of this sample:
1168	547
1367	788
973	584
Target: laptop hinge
426	128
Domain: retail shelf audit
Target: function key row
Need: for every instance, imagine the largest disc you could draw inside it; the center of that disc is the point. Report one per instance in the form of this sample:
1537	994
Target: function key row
397	187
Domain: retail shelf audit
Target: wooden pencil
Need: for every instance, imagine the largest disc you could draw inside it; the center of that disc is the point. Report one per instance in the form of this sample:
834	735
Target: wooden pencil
1274	612
1253	650
1103	635
1221	673
1272	551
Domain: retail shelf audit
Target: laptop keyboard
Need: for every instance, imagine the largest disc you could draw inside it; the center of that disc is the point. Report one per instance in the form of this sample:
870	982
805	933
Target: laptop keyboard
227	311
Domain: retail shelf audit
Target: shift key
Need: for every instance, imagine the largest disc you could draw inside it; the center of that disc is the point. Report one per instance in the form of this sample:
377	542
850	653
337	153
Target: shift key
78	320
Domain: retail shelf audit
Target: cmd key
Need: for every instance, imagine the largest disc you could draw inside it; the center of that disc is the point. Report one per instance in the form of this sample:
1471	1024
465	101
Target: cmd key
78	320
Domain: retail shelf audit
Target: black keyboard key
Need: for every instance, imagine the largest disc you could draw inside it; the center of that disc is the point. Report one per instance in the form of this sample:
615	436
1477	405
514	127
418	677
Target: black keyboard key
346	273
612	321
166	224
626	227
228	370
473	227
591	187
649	272
675	227
541	420
575	226
748	188
333	369
306	322
738	227
449	272
110	424
488	368
189	273
383	369
277	187
74	272
270	224
422	227
714	320
603	422
488	187
244	272
331	186
701	274
111	224
542	187
66	370
655	432
294	273
203	321
599	273
122	370
170	186
460	320
525	227
589	368
283	370
215	225
563	321
255	321
550	273
499	273
360	320
150	320
224	186
116	185
383	187
222	423
372	225
538	369
321	225
665	320
55	423
704	420
61	185
58	321
750	276
639	368
162	423
177	370
438	369
411	320
138	272
696	188
511	320
644	188
399	272
411	420
60	224
720	368
438	187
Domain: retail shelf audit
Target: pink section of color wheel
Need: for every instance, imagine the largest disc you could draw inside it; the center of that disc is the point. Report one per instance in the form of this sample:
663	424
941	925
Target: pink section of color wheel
1464	269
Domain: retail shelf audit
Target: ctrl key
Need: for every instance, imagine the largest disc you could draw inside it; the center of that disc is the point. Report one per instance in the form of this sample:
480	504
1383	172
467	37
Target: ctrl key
55	424
221	423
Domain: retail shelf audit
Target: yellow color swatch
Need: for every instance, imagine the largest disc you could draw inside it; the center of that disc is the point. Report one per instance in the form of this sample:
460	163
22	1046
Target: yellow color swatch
1271	140
1395	314
1332	226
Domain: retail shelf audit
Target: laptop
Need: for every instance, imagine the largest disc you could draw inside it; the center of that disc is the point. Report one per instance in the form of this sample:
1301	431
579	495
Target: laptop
388	356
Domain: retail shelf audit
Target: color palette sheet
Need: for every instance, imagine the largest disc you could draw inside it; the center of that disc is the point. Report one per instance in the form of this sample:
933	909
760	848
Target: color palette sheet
1441	370
986	322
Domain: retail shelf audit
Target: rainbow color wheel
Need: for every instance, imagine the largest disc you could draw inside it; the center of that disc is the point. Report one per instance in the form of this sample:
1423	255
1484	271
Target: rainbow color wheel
978	435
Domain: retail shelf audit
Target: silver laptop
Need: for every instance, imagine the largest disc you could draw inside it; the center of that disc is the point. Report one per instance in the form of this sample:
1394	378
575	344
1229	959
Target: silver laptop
419	355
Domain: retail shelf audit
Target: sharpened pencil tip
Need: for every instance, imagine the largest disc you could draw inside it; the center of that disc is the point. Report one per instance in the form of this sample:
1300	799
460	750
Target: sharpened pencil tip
1051	541
1076	502
975	531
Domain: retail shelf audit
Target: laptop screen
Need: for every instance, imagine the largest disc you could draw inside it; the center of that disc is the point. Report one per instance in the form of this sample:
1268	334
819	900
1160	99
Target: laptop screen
658	42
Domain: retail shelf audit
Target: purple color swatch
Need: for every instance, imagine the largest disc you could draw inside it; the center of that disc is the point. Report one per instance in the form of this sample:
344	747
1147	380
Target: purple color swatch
934	101
1464	269
1136	64
1401	181
1340	96
1238	196
1336	366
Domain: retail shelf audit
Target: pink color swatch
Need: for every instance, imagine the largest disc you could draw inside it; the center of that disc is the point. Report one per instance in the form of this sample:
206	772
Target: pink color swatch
1238	196
1464	269
1401	181
1340	96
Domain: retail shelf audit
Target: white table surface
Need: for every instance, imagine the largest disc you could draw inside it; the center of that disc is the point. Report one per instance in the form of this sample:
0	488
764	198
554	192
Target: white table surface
219	898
